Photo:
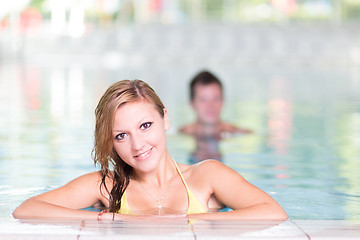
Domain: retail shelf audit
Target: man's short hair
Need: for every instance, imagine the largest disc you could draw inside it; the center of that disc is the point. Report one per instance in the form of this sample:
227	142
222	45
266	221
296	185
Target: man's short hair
203	78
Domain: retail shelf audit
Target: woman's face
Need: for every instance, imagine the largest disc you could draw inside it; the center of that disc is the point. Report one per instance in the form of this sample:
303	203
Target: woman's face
139	135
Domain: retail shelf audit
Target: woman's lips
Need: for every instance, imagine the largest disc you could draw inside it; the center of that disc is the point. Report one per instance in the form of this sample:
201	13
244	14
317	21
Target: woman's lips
144	155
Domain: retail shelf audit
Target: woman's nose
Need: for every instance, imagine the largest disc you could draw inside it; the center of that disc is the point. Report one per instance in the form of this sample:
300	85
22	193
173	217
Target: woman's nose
137	142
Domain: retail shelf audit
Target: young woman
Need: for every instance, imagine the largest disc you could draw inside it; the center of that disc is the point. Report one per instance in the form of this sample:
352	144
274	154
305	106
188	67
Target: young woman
138	176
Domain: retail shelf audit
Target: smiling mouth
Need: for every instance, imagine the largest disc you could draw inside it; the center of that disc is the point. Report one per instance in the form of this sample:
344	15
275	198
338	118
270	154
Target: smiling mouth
143	155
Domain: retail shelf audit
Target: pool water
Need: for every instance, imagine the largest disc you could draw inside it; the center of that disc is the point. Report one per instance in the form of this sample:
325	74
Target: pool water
304	151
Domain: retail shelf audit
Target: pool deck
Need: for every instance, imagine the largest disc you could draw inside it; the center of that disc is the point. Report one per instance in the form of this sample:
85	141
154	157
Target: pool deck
179	229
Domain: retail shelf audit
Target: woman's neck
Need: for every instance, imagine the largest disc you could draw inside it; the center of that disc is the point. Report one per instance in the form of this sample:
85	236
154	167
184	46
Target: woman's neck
160	176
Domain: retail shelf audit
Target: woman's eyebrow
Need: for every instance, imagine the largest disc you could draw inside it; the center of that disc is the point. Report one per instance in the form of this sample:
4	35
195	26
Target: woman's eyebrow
141	121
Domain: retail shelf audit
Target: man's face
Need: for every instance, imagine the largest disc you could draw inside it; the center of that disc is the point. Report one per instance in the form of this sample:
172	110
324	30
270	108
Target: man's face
207	102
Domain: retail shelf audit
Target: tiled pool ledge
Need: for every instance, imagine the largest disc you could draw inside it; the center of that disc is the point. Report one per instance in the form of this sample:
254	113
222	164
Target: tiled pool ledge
179	229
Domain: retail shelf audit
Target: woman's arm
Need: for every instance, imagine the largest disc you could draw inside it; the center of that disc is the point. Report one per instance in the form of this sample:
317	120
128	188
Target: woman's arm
65	202
230	188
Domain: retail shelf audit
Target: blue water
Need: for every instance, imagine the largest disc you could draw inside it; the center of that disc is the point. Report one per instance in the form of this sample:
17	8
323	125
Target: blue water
304	152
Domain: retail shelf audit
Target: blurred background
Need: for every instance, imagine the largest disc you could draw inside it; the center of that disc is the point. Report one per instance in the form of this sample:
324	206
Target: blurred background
291	71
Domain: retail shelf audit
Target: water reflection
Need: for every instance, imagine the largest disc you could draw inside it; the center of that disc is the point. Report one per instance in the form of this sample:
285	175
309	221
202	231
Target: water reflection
38	121
206	147
32	87
57	93
347	147
280	115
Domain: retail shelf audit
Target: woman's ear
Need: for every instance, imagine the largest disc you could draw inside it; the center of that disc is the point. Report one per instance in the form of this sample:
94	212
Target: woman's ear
166	120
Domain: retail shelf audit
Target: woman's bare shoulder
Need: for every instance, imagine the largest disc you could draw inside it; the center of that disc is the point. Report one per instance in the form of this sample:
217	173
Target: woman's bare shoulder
92	182
209	164
205	167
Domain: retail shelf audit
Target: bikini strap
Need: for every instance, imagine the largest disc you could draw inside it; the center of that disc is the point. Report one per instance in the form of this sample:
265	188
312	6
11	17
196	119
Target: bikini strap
181	176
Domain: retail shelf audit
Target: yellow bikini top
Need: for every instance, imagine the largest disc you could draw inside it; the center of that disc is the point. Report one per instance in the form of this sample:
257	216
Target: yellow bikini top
195	205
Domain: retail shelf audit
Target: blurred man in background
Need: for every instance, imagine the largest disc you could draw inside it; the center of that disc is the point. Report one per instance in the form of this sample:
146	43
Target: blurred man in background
206	96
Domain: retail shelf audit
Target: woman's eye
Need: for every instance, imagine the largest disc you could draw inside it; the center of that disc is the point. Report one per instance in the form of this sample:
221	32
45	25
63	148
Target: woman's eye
120	136
145	125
